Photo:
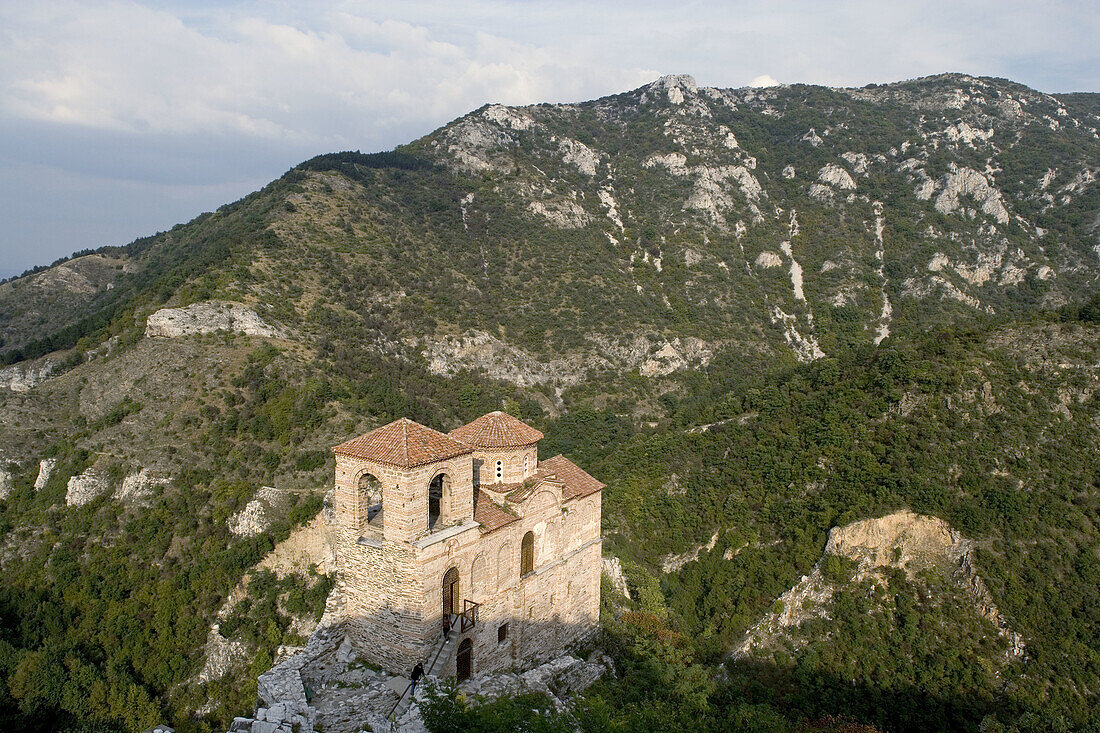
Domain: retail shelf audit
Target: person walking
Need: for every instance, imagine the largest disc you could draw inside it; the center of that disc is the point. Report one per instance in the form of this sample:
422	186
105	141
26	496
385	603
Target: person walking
417	673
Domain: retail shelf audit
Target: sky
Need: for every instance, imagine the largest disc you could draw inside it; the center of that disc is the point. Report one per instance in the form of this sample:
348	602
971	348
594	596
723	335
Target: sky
120	119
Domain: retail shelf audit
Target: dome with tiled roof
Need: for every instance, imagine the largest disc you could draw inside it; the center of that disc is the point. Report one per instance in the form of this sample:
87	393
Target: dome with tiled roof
403	443
496	430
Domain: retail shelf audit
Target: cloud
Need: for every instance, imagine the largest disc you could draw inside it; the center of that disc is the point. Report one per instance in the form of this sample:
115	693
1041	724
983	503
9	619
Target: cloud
764	80
211	97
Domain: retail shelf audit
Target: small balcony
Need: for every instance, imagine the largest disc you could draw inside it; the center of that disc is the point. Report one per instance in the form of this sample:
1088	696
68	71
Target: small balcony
468	618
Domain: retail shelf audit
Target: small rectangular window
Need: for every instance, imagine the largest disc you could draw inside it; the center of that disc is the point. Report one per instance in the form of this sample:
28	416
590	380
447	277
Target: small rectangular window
502	633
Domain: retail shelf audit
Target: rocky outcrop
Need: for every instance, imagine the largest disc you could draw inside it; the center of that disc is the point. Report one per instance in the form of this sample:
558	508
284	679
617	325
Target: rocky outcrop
562	213
613	569
345	694
833	175
577	153
26	376
498	359
903	540
768	259
258	514
221	656
558	679
45	469
712	193
85	487
208	317
969	182
138	488
671	563
6	480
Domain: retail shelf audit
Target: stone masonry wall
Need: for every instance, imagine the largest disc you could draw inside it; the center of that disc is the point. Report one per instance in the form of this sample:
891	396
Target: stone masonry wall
513	464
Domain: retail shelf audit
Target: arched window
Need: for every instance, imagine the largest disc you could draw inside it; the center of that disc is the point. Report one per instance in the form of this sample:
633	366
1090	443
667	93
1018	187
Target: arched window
526	464
478	580
437	489
370	500
527	554
500	470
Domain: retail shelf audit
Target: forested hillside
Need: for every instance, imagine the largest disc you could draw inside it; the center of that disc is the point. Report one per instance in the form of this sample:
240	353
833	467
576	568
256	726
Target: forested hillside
756	314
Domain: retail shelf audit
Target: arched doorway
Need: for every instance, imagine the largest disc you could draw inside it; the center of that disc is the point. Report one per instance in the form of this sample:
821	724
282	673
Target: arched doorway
450	596
437	489
464	662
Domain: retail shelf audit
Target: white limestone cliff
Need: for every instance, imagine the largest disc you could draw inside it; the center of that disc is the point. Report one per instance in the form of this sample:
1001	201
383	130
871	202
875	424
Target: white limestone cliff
208	317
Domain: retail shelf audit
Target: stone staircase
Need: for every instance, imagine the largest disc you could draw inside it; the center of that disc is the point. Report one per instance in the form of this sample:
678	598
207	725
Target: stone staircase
443	650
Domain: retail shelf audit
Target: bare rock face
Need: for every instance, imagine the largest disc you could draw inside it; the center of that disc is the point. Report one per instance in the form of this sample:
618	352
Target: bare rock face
45	468
557	679
85	487
501	360
834	175
903	540
222	655
137	488
671	563
562	213
613	569
258	515
969	182
5	483
577	153
674	86
26	376
208	317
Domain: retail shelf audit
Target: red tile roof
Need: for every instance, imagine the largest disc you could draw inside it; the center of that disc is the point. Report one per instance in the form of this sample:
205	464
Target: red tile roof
403	443
496	430
519	493
489	514
578	483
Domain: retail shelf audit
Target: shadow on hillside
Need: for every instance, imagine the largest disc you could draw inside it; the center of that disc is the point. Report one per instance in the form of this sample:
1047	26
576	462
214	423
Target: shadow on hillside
902	708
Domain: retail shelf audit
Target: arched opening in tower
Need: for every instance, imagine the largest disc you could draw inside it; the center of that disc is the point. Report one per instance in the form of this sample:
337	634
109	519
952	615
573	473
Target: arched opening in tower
439	488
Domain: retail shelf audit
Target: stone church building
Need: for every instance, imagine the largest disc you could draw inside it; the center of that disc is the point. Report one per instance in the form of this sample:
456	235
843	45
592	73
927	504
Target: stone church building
466	531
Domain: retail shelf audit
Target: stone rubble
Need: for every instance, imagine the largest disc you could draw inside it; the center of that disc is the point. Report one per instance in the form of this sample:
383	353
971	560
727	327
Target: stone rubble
324	686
